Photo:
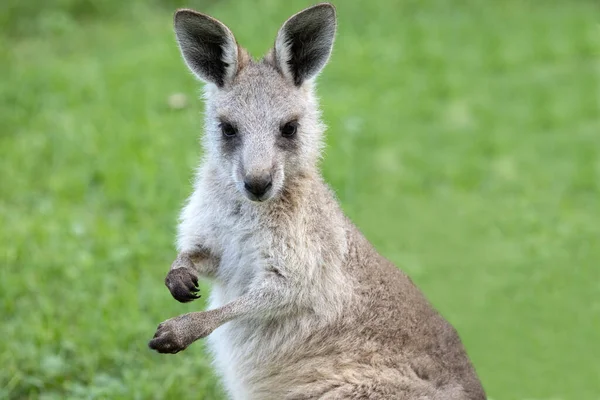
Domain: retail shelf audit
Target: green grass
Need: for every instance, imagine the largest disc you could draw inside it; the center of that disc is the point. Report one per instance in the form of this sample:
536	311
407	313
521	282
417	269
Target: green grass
464	141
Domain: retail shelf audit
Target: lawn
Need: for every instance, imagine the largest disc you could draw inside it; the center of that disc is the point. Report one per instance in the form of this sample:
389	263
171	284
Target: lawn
464	140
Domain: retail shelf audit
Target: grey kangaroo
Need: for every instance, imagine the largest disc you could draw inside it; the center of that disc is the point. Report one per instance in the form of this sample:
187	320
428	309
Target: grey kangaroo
302	306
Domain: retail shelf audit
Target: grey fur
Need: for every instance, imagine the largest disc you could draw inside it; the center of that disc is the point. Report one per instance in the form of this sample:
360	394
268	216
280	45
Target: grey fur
302	306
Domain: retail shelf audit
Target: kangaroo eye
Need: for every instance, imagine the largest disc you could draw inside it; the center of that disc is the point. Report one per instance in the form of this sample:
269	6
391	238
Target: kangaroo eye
227	129
289	129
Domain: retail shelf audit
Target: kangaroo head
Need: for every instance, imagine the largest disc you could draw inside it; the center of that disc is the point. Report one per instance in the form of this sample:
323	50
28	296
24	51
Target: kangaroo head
263	125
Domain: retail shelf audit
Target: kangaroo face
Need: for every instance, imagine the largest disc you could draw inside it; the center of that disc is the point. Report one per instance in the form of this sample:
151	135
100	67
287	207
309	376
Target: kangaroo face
263	128
262	118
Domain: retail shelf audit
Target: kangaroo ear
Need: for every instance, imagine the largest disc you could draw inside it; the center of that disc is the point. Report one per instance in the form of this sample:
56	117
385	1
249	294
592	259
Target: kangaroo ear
304	43
207	45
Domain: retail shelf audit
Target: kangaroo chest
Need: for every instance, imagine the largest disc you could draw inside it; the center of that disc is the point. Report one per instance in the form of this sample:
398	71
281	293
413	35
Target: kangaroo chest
243	245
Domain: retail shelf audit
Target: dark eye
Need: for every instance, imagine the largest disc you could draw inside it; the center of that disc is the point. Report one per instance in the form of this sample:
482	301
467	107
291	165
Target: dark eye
289	129
228	129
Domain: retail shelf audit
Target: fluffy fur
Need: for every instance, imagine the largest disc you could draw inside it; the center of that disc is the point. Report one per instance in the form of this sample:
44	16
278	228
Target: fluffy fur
302	306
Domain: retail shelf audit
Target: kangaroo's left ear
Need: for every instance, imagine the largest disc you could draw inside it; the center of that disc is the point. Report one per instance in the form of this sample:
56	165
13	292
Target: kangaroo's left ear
304	43
208	46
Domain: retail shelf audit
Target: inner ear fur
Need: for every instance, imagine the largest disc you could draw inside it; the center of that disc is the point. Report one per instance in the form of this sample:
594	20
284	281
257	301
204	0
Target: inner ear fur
208	47
304	43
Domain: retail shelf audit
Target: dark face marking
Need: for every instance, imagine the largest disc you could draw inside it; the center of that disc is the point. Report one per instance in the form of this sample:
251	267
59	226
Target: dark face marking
287	139
229	144
289	128
290	144
230	138
228	129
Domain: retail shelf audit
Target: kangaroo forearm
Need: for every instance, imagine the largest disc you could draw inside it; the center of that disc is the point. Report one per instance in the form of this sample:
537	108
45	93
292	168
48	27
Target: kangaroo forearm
201	261
252	304
274	295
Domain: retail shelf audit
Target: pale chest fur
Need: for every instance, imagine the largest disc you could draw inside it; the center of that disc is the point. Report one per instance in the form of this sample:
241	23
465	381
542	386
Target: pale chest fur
251	241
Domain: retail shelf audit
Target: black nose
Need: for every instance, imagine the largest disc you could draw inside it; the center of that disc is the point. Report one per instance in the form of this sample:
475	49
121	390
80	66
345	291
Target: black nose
258	186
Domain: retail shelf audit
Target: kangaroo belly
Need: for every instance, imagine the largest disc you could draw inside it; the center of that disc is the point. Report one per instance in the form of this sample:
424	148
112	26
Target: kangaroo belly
259	358
245	350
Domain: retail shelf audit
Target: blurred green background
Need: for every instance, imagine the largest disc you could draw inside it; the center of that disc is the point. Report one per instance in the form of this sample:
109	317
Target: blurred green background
464	140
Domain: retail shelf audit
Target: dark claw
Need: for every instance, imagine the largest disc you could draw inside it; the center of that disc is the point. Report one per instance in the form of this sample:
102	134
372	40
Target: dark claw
192	287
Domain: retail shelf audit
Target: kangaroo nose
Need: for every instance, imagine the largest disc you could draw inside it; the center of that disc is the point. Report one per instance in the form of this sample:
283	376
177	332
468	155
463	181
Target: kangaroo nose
258	186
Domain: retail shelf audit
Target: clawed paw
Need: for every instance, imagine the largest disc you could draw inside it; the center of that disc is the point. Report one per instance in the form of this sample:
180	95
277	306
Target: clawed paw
166	340
183	284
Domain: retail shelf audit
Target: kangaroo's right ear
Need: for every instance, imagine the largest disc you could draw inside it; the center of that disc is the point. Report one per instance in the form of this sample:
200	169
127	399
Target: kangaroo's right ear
207	45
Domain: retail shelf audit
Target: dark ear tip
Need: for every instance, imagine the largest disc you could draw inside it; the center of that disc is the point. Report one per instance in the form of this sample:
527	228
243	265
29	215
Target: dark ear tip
328	7
323	11
183	14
